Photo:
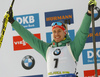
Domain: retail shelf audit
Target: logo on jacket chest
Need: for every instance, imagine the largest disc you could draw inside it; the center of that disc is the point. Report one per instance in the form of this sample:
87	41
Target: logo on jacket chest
57	52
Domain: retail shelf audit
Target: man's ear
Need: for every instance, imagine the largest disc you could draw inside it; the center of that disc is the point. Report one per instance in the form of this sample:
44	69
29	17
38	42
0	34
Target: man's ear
64	34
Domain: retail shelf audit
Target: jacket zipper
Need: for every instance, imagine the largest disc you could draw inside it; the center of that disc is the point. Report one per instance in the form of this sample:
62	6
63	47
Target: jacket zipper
57	44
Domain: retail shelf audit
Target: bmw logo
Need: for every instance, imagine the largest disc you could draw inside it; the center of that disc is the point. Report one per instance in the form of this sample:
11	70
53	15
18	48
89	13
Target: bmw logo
28	62
96	13
57	52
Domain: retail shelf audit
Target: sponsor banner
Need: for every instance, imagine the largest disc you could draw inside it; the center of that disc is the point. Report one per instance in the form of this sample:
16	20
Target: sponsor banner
33	76
20	44
28	20
91	73
71	34
97	35
50	38
64	75
88	56
58	16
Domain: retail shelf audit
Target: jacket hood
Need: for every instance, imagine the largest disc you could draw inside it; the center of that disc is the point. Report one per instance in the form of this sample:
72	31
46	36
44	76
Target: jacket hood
61	43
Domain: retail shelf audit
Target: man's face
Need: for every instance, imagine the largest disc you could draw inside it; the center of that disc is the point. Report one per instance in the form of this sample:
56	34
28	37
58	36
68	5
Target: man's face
58	34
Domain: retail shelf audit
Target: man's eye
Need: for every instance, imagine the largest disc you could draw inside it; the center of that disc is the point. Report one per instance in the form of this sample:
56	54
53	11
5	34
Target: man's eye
54	31
59	31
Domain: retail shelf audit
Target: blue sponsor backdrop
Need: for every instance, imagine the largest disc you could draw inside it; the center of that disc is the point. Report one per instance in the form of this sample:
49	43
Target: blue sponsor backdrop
34	76
88	56
58	16
49	35
97	35
29	20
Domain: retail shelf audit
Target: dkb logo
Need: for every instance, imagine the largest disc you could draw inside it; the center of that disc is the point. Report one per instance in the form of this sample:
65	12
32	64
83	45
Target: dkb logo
88	56
28	21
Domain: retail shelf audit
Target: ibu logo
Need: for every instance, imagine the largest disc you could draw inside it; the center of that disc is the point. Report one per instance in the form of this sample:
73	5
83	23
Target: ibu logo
28	20
88	56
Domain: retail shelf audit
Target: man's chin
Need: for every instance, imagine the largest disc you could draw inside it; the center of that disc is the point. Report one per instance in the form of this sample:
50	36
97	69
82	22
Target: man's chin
57	41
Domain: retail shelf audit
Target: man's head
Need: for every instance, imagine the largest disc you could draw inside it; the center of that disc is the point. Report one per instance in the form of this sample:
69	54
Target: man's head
58	31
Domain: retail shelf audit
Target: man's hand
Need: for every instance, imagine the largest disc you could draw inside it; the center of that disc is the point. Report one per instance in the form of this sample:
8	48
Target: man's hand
10	19
91	3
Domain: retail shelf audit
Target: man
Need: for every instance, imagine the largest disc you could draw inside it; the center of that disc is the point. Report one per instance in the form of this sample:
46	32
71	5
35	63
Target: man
61	55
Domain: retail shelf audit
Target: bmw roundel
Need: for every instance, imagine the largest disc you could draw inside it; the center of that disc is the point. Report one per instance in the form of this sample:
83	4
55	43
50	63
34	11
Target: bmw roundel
57	52
28	62
96	13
